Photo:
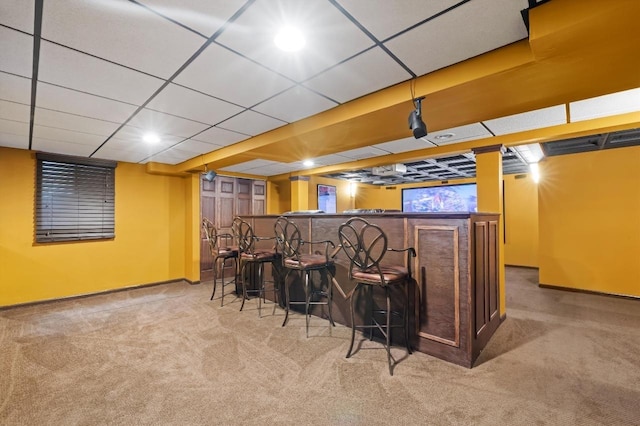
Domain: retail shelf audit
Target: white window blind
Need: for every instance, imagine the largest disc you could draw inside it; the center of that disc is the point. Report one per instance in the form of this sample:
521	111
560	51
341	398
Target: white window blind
74	198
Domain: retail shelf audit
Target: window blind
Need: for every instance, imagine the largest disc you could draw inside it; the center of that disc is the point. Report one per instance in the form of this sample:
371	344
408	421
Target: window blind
75	198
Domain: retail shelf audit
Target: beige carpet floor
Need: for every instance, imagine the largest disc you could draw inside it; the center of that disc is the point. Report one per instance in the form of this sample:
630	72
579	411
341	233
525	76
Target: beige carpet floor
166	355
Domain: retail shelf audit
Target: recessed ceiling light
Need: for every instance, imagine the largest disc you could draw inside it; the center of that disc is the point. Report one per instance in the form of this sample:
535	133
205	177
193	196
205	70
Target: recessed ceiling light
151	138
289	39
445	136
307	163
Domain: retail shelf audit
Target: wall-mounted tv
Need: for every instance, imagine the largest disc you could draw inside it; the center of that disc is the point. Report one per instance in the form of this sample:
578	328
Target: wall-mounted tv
445	198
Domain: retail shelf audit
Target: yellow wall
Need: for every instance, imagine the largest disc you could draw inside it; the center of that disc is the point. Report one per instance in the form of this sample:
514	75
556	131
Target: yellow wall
521	221
343	201
278	196
148	247
589	207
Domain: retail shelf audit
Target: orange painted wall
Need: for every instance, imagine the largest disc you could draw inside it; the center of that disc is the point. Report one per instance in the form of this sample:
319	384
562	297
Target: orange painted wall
344	200
589	208
521	221
149	245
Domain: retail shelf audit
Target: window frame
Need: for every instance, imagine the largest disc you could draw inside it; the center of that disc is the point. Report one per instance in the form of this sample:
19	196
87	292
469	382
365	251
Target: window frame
74	199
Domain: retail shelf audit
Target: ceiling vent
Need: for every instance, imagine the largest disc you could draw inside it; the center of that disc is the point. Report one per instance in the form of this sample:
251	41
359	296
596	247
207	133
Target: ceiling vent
391	170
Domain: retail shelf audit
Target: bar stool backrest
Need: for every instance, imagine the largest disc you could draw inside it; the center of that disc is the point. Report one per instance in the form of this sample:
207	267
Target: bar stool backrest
288	238
365	245
246	237
211	234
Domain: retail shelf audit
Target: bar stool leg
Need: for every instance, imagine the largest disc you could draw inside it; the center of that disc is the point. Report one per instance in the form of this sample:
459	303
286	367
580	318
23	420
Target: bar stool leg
330	296
388	329
215	277
307	299
222	288
243	270
353	325
406	318
286	298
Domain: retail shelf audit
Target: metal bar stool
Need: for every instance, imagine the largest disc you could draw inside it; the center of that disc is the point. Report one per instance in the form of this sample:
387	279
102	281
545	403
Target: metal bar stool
221	250
252	258
366	245
289	242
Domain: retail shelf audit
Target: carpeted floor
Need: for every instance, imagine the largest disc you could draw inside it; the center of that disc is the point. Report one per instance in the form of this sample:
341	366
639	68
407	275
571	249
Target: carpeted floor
166	355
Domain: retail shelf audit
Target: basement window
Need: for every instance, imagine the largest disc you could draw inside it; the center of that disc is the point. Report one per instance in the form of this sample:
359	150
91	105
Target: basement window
74	198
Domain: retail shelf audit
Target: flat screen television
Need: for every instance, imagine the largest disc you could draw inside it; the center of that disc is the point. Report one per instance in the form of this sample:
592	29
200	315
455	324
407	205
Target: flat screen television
445	198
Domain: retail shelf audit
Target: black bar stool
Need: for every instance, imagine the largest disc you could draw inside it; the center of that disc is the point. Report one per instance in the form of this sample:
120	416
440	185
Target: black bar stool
252	262
366	245
289	241
221	250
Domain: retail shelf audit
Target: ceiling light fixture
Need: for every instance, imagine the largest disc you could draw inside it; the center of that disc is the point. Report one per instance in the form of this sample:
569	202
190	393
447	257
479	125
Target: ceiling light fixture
445	136
151	138
209	175
415	120
307	163
289	39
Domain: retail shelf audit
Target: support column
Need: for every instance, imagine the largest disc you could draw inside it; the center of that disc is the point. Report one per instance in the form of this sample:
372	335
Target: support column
299	193
490	200
192	229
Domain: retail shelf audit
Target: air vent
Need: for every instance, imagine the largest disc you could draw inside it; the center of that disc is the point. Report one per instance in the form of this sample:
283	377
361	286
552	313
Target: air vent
623	138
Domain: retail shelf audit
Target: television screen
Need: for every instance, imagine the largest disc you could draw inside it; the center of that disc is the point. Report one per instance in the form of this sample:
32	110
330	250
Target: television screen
448	198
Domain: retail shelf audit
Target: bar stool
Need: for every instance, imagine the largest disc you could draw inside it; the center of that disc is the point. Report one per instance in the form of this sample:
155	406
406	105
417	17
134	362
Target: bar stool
221	250
255	258
366	245
289	242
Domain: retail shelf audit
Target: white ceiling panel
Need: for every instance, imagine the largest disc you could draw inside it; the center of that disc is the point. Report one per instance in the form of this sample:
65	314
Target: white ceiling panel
14	134
403	145
66	100
15	89
161	123
251	123
17	14
604	106
360	153
345	82
17	52
540	118
171	156
203	16
330	36
63	135
225	75
61	147
61	120
15	111
122	32
193	105
488	24
130	138
326	160
396	17
218	136
197	147
121	155
295	104
458	134
68	68
248	165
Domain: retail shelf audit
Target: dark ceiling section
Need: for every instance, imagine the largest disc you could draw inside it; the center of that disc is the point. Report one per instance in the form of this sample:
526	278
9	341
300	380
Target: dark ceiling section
592	143
432	169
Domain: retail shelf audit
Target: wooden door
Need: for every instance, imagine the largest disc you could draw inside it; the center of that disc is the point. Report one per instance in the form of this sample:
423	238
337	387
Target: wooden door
259	197
208	209
244	197
226	207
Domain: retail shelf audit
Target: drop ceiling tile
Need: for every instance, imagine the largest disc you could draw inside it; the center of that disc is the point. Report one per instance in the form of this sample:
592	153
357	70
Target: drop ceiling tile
130	137
15	111
218	136
330	36
61	135
203	16
161	123
15	89
537	119
188	103
251	123
14	134
403	145
170	156
122	32
329	160
70	101
360	153
458	134
71	69
467	31
346	81
249	165
61	120
384	18
226	75
17	14
197	147
17	52
61	147
295	104
604	106
120	155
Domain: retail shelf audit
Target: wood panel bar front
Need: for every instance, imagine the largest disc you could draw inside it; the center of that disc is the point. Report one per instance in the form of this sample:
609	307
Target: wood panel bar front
454	293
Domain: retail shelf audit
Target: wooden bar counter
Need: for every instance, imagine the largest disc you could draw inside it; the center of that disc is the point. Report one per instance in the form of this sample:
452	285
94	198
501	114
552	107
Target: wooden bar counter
454	296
